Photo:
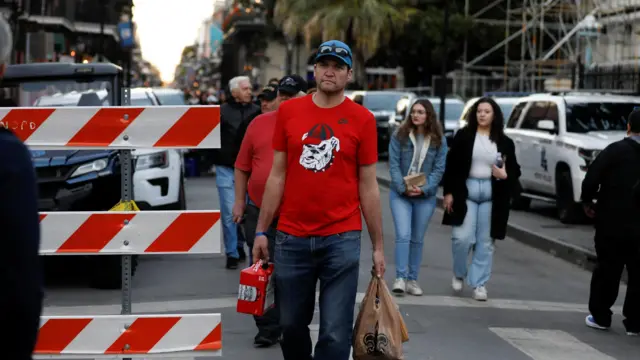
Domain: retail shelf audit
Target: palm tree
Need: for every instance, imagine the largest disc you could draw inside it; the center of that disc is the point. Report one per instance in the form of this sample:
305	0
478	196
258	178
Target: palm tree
363	24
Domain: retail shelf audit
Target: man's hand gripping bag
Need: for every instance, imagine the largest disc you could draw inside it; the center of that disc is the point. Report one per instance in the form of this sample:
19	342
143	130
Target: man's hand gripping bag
379	330
256	290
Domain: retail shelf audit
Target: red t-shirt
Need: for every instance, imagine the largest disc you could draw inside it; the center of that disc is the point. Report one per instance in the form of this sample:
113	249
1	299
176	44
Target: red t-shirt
325	148
256	154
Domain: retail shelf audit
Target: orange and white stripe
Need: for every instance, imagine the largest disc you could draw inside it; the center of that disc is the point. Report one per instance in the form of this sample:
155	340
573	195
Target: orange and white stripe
116	232
115	127
113	335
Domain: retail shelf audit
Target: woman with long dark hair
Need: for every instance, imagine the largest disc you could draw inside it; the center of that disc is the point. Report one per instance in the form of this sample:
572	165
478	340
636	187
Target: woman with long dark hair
481	177
417	158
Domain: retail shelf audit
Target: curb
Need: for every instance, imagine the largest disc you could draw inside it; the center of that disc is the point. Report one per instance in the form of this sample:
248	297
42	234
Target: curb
568	252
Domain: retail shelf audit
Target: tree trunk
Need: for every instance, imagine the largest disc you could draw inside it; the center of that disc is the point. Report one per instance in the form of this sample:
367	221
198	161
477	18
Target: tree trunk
359	70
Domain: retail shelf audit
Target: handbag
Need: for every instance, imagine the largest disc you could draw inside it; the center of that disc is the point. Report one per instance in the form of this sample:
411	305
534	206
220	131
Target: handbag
415	180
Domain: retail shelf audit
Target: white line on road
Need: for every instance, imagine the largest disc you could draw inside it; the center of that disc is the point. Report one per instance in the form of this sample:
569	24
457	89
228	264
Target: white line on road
230	302
549	344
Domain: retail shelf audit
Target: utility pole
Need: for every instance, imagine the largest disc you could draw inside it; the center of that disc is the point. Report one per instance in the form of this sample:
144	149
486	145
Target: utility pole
465	55
443	72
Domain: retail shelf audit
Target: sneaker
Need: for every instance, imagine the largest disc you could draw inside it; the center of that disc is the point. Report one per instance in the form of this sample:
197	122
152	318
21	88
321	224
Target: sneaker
591	322
266	340
456	284
480	293
630	333
413	288
232	263
399	286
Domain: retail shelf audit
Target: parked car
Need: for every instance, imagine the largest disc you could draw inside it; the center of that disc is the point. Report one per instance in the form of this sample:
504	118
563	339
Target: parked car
388	107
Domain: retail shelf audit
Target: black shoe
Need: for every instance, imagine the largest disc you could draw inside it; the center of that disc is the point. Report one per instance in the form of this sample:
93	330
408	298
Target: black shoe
264	341
232	263
242	254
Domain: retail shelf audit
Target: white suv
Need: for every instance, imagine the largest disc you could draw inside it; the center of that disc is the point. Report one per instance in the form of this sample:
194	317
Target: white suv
557	136
158	181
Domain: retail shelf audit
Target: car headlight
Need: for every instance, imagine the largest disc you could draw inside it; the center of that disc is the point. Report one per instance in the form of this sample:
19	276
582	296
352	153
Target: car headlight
588	155
156	160
94	166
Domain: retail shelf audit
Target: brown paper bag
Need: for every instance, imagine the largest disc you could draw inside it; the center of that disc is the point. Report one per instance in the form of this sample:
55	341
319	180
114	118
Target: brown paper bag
378	333
415	180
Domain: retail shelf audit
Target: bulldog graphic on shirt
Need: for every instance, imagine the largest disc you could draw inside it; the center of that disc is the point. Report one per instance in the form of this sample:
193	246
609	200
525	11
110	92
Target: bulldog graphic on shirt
318	146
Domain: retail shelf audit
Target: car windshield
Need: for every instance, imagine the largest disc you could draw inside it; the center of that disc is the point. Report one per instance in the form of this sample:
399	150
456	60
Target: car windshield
141	100
174	98
506	109
452	111
586	117
382	101
55	93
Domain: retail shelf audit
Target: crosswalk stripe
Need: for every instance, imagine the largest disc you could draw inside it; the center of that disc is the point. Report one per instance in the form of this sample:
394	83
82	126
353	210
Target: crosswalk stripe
231	302
549	344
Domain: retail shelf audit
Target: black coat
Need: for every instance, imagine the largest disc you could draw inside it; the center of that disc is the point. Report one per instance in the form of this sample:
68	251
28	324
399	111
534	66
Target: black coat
233	121
613	179
21	275
457	173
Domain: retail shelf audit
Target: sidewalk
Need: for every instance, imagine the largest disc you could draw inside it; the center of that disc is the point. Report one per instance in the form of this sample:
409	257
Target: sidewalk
539	228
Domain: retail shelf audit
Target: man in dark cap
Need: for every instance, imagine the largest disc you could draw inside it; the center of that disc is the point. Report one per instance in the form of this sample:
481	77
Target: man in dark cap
253	166
267	98
20	267
613	179
322	179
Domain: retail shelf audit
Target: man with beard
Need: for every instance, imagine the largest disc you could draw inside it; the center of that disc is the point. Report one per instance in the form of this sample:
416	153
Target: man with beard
20	267
252	170
613	179
323	173
233	114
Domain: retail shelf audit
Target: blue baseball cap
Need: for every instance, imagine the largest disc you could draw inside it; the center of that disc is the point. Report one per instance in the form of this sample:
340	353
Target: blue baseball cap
336	49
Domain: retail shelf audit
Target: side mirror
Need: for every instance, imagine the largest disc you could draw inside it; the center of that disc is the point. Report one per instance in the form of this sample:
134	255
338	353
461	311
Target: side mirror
546	125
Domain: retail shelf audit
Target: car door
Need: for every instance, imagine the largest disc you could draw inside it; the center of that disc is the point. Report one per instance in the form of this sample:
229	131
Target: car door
512	129
533	155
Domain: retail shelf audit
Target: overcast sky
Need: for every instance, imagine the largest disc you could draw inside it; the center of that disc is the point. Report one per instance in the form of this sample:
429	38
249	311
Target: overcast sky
165	27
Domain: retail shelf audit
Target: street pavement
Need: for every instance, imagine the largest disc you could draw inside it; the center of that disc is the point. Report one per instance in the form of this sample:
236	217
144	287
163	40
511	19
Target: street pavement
536	308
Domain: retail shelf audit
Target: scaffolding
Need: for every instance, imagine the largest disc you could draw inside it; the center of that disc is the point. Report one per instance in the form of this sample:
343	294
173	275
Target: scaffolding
552	36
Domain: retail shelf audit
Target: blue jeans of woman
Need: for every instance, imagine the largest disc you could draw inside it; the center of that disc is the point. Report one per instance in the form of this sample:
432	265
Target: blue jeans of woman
474	235
411	216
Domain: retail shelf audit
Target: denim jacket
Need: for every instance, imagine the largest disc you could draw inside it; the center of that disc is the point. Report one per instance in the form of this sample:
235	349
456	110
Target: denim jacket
400	158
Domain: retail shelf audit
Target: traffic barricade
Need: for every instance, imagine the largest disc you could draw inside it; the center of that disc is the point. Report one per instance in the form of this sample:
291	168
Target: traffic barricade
125	233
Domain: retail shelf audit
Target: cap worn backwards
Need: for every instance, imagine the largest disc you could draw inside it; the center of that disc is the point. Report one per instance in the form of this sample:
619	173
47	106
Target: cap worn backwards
336	49
292	85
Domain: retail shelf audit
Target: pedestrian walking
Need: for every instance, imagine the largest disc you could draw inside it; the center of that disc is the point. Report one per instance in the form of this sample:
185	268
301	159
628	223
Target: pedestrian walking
268	98
253	166
20	267
611	195
416	150
481	177
233	114
323	173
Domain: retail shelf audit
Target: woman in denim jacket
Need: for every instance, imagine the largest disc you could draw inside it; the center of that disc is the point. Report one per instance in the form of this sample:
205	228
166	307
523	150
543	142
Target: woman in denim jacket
418	146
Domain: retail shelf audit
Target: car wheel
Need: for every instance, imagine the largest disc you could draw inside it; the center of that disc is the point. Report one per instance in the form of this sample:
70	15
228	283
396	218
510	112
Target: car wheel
569	212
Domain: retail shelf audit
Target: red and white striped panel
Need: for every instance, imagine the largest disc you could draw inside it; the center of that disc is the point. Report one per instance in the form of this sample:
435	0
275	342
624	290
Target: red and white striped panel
113	335
115	127
122	232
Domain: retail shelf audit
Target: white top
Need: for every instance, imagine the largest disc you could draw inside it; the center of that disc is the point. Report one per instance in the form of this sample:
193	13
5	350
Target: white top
483	157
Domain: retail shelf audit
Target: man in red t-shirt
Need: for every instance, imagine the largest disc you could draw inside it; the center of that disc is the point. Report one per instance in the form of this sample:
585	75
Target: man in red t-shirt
252	169
323	173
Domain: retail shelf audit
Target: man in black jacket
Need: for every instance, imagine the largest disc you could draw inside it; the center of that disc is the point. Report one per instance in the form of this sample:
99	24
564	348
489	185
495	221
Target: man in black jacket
612	180
20	268
233	114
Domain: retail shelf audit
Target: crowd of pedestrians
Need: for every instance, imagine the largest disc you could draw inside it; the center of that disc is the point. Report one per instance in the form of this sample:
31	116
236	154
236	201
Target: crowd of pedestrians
295	172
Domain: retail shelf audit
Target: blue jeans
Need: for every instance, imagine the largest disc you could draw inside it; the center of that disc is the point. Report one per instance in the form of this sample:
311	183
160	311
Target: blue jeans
299	264
411	218
232	237
474	234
